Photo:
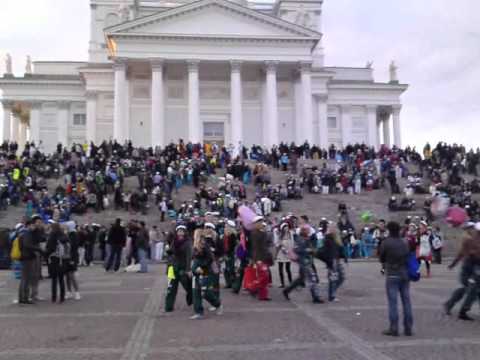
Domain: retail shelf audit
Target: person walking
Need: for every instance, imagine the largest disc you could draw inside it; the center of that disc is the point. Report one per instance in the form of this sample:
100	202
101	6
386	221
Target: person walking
58	252
470	254
394	253
72	264
284	244
179	267
260	258
204	279
303	249
142	247
424	247
117	238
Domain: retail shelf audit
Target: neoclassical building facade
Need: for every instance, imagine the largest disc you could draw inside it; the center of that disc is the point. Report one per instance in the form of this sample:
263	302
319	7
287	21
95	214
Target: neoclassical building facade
208	70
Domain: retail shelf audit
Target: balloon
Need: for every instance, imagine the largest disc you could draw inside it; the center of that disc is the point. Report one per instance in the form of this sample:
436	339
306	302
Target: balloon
366	216
246	215
439	207
456	216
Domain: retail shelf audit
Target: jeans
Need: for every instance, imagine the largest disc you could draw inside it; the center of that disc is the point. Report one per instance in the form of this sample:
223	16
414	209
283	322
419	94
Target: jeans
57	272
336	277
25	289
142	256
115	254
396	285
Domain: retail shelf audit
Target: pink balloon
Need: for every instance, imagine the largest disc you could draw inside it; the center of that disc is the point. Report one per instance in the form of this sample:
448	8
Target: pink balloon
246	215
456	216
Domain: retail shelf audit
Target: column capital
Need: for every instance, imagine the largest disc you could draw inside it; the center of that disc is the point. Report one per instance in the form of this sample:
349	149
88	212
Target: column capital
396	109
322	97
63	104
120	64
91	95
271	66
192	65
305	66
7	104
157	64
371	107
235	65
345	108
35	104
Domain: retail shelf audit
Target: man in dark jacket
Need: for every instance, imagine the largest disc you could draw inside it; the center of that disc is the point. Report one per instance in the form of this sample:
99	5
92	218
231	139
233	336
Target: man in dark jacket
30	249
394	253
260	257
117	239
143	243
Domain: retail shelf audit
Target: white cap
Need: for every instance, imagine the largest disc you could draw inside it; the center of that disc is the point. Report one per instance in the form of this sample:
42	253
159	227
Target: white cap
210	225
257	218
477	226
18	226
231	223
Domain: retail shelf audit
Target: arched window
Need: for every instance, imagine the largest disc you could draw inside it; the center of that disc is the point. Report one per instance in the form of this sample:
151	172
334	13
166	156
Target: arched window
111	19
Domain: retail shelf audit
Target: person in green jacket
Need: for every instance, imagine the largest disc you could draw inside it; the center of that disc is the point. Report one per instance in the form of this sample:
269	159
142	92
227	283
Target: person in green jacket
179	264
204	278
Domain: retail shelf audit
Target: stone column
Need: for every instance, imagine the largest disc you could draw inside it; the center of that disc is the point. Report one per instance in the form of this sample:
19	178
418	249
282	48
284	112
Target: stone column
15	128
35	122
120	100
7	119
193	103
322	121
297	88
307	113
271	136
62	122
158	107
22	135
346	124
91	132
397	136
236	99
372	126
386	129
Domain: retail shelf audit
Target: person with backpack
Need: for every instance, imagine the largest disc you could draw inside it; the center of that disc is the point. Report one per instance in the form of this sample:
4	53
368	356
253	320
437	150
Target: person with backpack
72	265
58	252
394	253
303	250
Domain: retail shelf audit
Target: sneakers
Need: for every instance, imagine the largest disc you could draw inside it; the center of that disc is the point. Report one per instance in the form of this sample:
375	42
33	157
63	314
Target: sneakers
465	316
68	296
390	333
447	310
196	317
77	296
220	310
285	295
212	309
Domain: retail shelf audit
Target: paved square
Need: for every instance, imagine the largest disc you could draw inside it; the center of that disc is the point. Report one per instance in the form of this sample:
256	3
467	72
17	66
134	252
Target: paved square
120	317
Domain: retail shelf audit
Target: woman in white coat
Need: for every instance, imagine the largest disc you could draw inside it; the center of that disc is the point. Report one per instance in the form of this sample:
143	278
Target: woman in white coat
284	246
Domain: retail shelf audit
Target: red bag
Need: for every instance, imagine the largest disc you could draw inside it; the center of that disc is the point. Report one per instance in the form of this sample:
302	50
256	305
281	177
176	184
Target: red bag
249	278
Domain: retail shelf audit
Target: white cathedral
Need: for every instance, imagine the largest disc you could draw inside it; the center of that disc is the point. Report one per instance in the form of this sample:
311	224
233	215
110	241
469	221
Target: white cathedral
204	71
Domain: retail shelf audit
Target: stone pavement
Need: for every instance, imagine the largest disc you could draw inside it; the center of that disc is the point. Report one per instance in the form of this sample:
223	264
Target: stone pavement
120	317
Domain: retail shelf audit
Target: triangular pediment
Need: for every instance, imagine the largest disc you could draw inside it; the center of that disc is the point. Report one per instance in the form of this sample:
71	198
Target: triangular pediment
212	18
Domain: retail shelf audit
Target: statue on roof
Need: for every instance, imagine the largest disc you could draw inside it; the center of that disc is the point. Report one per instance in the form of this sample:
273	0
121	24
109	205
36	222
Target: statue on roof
393	72
8	64
28	67
124	12
369	64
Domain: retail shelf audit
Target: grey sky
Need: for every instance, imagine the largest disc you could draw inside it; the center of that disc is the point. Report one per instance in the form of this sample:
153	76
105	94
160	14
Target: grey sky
435	43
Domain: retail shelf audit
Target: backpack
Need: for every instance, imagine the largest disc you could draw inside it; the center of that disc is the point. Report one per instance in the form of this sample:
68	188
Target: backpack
16	252
63	249
413	267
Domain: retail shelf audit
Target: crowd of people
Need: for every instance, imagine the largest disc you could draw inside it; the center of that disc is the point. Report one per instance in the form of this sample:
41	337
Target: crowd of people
219	231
